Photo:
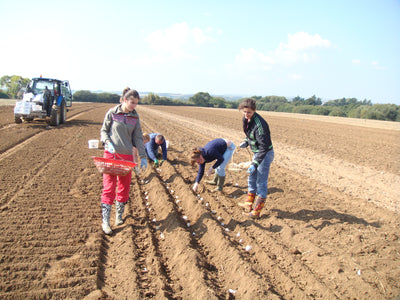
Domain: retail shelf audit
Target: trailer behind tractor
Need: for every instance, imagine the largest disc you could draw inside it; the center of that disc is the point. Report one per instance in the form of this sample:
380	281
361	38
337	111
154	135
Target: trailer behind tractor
44	98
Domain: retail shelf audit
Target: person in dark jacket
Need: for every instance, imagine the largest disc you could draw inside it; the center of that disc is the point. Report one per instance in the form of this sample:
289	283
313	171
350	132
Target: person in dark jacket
220	150
156	141
258	137
47	100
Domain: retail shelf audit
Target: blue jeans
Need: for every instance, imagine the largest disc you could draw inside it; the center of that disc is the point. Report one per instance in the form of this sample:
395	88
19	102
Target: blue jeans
227	157
258	181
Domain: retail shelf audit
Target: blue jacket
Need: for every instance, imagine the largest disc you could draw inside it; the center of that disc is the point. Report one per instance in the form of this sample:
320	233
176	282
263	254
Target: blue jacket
152	147
214	149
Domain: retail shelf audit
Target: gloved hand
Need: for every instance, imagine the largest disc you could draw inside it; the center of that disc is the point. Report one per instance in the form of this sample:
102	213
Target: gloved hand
195	186
209	171
251	169
156	163
110	148
143	163
243	144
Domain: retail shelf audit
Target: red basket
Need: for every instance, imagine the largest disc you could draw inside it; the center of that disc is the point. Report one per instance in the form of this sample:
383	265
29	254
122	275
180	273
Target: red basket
113	166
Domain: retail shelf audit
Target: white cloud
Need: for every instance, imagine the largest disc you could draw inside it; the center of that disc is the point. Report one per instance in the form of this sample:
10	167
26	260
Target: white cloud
300	47
356	61
177	39
377	66
303	40
251	55
295	76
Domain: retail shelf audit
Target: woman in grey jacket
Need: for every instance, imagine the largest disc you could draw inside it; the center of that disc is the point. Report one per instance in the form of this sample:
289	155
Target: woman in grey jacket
121	131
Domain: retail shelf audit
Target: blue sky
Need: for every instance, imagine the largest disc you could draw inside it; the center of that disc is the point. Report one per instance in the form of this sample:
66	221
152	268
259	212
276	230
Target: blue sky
331	49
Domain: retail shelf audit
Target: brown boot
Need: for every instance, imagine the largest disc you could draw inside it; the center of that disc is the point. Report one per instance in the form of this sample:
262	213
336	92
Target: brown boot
248	205
258	205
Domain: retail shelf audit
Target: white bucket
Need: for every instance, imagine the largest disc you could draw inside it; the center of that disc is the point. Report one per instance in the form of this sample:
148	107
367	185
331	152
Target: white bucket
93	144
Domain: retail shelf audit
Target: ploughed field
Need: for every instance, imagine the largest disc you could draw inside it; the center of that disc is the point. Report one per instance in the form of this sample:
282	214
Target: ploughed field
329	229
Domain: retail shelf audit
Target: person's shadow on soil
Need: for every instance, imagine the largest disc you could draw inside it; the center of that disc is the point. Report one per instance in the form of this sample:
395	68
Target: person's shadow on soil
179	162
326	215
241	190
251	222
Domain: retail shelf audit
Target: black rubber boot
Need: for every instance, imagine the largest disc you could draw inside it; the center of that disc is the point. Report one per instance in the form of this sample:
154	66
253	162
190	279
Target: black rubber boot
213	181
220	183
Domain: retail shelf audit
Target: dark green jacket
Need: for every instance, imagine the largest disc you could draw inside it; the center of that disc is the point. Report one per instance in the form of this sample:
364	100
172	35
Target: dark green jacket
258	137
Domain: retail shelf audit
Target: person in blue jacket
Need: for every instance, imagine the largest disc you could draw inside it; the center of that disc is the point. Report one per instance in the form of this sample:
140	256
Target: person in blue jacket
220	150
156	141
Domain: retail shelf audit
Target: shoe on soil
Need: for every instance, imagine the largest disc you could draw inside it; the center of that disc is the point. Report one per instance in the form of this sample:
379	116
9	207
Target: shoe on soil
106	228
213	181
119	221
258	206
120	207
220	184
248	204
105	211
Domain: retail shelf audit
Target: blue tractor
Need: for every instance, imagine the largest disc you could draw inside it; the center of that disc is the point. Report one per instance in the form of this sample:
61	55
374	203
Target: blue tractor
44	98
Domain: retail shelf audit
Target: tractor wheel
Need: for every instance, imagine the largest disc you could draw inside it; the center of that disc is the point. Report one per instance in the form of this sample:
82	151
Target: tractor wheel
63	112
55	117
18	120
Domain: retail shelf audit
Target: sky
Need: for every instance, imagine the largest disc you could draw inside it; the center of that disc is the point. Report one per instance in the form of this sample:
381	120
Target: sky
331	49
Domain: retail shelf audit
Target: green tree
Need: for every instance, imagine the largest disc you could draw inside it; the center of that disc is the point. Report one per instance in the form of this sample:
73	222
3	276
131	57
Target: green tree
320	110
298	100
313	101
84	96
337	112
150	99
201	99
13	84
387	112
218	102
107	98
3	95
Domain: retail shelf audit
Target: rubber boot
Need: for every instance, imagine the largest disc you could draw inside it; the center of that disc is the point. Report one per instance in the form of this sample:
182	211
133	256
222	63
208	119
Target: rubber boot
248	205
220	184
258	205
106	211
120	207
213	181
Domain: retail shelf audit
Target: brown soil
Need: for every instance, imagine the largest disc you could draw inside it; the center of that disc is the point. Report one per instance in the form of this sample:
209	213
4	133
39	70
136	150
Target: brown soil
329	230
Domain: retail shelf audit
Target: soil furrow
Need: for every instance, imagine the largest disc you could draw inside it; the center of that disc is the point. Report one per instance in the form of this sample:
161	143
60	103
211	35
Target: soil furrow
212	234
170	227
291	250
318	237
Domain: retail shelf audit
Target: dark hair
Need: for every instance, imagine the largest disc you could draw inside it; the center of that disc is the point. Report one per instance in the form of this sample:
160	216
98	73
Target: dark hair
248	103
128	93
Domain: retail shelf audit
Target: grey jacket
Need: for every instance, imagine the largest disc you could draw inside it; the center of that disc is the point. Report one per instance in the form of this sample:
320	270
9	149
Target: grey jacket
123	130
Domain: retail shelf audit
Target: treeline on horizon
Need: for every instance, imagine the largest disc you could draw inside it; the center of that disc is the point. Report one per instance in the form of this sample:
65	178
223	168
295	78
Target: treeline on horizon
12	87
345	107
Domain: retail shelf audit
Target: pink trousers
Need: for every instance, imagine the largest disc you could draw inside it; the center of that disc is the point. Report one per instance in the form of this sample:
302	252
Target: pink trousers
116	187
